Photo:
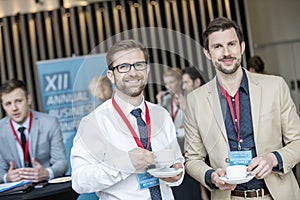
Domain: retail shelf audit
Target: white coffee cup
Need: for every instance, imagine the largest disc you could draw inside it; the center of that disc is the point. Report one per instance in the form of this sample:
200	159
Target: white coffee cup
236	171
165	158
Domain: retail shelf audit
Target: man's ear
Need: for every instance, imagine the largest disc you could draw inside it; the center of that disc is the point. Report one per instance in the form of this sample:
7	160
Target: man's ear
197	82
110	75
148	69
207	54
243	46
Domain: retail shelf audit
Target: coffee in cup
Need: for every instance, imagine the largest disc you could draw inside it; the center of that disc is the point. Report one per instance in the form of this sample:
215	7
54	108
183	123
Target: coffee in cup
236	171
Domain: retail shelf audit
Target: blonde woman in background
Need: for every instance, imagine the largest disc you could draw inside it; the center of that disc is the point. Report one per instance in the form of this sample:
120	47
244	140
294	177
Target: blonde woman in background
101	88
169	99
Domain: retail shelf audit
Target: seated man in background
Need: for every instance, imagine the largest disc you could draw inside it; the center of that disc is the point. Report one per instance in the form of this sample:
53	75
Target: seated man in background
31	142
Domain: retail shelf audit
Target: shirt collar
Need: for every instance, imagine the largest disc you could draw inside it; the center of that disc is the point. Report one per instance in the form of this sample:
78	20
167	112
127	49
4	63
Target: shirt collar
244	84
243	87
17	126
127	107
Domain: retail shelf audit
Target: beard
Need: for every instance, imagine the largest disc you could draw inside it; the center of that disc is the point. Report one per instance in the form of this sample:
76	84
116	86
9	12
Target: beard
135	92
224	70
130	91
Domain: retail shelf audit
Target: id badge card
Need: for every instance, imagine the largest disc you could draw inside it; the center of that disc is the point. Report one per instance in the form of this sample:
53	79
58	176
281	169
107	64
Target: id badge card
146	180
240	157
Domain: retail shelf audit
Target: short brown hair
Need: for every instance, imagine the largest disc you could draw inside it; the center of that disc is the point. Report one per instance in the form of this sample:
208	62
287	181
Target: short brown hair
221	23
194	73
257	63
10	85
124	45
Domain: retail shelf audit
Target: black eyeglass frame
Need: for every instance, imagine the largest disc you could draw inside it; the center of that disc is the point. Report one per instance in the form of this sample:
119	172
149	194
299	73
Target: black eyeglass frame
127	65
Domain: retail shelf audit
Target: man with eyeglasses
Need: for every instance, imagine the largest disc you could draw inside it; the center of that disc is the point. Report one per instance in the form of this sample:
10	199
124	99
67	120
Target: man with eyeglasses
124	137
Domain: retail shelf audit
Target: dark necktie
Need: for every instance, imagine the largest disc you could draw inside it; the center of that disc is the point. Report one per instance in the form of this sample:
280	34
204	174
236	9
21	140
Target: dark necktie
154	191
23	141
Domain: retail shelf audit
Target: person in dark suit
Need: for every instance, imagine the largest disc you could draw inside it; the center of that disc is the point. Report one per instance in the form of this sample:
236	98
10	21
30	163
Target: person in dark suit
31	142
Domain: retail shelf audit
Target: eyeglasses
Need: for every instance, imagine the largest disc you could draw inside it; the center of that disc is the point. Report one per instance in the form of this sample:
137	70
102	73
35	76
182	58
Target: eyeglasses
126	67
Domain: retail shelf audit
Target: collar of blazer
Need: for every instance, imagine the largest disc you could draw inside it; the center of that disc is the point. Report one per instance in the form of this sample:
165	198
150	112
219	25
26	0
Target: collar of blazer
214	101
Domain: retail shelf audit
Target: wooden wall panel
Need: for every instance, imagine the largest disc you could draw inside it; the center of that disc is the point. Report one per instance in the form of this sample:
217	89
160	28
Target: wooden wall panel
2	54
57	30
171	29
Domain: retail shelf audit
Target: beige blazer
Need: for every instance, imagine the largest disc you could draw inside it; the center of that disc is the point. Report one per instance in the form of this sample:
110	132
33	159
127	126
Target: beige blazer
274	118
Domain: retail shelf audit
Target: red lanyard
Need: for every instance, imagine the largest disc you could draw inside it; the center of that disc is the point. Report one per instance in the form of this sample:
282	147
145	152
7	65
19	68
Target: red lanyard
26	158
173	115
236	121
135	136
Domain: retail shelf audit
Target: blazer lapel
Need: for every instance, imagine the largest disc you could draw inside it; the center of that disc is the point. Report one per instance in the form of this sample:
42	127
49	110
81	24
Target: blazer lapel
255	103
11	141
34	134
215	106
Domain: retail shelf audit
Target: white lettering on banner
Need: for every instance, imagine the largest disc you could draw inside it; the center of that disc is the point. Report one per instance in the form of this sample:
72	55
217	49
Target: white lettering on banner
71	116
67	126
61	113
79	111
76	112
67	98
58	81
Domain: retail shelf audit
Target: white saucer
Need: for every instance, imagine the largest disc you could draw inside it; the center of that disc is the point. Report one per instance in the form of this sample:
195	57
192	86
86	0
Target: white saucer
237	180
60	180
164	172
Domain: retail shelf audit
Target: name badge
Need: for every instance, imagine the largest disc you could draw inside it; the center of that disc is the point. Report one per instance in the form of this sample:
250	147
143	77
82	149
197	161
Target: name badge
240	157
146	180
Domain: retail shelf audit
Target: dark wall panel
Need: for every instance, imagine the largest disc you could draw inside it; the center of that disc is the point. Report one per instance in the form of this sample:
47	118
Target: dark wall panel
170	28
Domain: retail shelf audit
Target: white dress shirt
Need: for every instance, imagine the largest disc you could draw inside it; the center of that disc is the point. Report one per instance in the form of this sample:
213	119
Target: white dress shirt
18	146
99	157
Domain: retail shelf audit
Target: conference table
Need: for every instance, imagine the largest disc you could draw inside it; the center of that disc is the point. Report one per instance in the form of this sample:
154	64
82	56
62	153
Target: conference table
52	191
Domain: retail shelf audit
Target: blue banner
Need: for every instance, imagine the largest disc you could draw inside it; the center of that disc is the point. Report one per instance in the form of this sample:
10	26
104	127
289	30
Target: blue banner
64	88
